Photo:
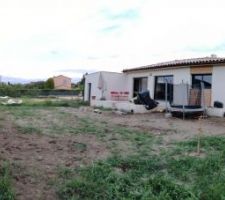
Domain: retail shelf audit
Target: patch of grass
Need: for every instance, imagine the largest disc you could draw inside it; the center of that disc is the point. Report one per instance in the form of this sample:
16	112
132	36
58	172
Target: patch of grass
139	168
207	144
28	130
55	103
117	138
56	121
41	120
168	175
64	172
32	102
6	192
119	178
89	126
79	146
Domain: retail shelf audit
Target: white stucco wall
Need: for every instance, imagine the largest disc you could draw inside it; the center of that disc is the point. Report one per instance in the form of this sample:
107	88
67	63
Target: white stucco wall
130	81
218	84
114	82
93	79
124	82
120	105
179	75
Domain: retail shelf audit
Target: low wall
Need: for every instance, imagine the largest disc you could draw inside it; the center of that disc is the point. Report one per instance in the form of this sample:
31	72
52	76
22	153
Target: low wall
215	112
120	105
130	107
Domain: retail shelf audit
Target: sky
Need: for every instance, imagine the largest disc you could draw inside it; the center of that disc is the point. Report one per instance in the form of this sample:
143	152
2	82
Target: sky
44	38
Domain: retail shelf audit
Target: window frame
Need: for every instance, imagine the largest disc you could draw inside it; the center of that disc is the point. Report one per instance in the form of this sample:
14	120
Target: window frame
138	78
155	86
202	79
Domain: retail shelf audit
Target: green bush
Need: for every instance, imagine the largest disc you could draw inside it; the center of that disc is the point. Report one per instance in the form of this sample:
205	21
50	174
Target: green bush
19	90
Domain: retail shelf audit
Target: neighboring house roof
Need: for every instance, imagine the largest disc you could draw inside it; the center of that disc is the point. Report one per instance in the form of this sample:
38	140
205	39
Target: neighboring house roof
62	82
179	63
61	76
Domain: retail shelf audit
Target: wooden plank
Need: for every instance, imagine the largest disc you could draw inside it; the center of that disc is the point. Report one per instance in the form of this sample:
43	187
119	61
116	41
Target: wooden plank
207	95
195	97
204	69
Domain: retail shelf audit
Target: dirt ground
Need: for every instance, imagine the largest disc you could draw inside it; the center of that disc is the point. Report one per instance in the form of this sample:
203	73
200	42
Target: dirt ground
171	129
36	158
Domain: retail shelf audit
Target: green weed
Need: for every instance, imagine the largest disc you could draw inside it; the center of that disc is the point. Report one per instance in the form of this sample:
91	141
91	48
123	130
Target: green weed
119	178
79	146
207	143
55	103
170	175
6	192
28	130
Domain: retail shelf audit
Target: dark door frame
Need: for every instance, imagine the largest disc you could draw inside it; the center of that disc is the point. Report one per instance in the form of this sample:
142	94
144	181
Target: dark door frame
89	93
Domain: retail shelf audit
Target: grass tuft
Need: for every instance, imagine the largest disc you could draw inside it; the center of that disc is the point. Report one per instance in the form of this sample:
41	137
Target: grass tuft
6	192
170	175
55	103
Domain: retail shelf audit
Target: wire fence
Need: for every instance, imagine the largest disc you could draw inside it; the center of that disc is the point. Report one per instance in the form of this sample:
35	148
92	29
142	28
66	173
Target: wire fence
184	94
187	101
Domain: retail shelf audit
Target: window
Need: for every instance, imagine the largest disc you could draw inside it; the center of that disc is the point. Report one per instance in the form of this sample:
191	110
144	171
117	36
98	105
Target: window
140	85
160	87
206	79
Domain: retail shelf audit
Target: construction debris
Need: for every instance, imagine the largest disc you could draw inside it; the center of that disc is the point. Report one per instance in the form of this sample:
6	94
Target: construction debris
120	112
10	101
97	111
5	97
85	109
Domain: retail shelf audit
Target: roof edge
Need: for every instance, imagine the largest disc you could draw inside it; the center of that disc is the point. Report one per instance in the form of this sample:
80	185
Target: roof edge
179	63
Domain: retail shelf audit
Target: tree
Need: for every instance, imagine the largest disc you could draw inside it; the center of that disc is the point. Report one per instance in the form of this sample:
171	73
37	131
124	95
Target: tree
49	84
35	85
81	83
83	79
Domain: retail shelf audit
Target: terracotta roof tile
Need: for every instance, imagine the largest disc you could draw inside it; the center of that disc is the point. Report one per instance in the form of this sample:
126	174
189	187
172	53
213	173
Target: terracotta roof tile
184	62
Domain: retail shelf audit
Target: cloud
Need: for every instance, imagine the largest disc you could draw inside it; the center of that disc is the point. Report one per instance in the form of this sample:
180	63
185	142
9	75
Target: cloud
54	52
111	28
130	14
207	49
37	38
93	58
79	71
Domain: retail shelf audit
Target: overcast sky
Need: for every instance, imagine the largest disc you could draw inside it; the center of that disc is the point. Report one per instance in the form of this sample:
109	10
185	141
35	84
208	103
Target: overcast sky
42	38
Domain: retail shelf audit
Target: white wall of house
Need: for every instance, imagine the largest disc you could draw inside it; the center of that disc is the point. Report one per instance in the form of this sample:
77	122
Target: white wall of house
113	82
218	84
130	80
124	82
93	79
179	75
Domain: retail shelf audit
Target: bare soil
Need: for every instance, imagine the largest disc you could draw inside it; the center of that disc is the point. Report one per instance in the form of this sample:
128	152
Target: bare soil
36	158
171	129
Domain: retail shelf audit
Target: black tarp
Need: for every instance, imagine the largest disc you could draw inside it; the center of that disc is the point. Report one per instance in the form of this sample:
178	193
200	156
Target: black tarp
145	99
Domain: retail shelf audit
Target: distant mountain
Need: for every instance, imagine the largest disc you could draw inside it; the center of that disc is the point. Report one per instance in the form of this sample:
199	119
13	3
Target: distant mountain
14	80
